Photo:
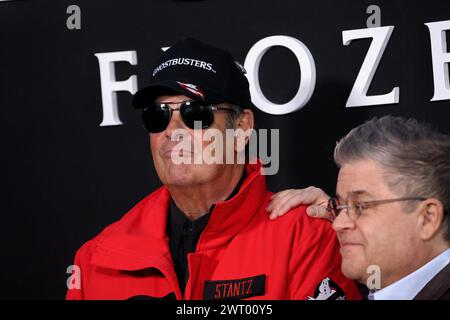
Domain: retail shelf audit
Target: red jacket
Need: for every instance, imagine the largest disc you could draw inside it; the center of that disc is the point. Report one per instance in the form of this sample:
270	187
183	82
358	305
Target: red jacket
240	254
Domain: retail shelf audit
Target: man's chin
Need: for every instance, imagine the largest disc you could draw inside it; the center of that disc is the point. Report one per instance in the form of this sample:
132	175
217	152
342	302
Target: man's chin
178	180
178	175
354	271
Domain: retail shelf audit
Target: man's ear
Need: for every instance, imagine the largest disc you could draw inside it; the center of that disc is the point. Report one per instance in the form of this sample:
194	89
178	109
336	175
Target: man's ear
243	129
431	218
246	120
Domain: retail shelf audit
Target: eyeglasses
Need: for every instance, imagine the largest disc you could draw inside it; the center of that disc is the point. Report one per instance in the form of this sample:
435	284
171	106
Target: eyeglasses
354	208
157	116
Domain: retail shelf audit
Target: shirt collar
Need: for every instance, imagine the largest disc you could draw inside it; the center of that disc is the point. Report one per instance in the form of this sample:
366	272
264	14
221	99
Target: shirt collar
178	220
408	287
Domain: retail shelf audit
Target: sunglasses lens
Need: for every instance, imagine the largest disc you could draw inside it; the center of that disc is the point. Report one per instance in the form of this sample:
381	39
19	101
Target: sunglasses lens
156	118
192	112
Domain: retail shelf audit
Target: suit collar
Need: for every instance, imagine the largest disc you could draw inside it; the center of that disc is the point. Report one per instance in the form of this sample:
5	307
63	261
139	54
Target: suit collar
437	287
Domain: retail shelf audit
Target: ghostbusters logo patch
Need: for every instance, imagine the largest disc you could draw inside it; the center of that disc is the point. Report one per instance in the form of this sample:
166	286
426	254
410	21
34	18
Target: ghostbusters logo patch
328	290
192	88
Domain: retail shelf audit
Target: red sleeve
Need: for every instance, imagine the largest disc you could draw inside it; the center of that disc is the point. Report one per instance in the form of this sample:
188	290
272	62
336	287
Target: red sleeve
315	267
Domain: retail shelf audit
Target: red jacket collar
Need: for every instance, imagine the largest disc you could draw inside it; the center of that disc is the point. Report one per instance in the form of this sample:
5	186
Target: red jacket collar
139	239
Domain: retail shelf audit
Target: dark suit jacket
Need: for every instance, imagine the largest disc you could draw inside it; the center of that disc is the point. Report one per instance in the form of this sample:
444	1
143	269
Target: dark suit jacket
438	288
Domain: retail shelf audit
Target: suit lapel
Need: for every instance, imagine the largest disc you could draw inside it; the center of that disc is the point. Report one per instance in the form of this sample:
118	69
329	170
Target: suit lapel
438	288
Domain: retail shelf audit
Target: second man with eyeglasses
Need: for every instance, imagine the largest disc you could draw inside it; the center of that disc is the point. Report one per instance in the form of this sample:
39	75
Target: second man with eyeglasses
391	211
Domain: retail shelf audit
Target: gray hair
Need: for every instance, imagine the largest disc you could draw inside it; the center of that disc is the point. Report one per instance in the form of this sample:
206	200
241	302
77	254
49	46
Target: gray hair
233	116
415	157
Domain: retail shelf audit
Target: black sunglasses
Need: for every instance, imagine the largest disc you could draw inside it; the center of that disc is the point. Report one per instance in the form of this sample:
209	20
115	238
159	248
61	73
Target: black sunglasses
157	116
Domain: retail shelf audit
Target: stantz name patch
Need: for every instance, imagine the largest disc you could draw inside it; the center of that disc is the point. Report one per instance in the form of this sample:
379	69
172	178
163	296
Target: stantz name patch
235	288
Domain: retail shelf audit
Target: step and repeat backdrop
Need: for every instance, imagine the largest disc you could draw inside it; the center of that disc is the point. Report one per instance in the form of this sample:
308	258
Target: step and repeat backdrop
75	156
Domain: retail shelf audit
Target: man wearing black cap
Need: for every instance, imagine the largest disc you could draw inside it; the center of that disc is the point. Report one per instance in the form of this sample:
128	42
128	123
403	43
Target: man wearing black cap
205	233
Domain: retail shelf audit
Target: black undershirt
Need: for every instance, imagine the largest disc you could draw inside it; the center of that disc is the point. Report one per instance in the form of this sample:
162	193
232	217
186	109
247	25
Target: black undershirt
184	234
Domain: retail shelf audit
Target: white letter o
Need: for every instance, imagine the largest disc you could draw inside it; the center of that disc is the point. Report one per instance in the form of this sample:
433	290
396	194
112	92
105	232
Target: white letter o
307	68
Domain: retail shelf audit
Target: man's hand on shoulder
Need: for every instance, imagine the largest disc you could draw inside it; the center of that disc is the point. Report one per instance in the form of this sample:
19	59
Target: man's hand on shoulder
315	198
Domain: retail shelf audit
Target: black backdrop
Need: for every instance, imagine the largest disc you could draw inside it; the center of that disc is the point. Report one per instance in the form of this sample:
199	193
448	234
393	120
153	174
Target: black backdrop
64	178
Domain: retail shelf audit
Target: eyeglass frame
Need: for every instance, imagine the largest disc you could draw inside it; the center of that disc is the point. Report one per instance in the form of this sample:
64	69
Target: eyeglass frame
335	209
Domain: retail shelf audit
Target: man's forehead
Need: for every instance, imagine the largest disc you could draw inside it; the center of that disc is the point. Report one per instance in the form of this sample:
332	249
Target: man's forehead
360	178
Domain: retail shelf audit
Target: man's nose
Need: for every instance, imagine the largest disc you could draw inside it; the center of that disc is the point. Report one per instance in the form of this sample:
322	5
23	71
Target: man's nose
175	123
343	222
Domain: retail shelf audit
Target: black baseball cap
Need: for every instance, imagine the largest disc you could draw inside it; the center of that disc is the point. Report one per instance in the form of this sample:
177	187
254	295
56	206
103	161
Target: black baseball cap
199	71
